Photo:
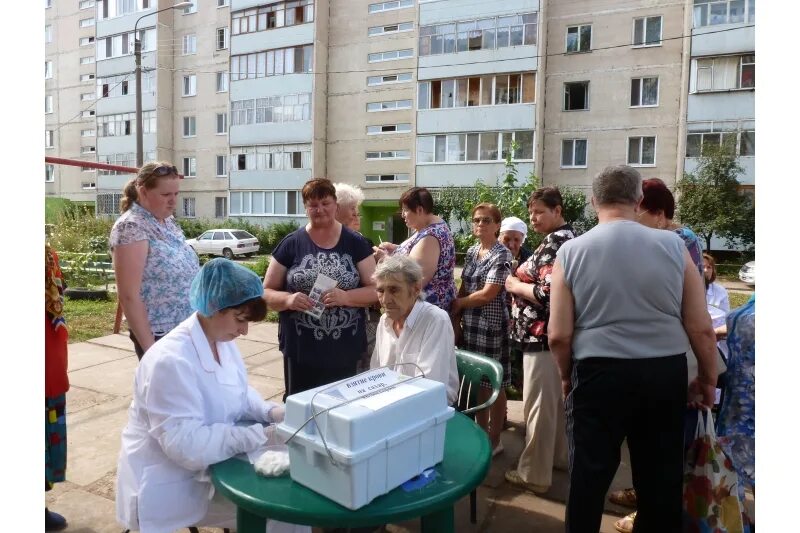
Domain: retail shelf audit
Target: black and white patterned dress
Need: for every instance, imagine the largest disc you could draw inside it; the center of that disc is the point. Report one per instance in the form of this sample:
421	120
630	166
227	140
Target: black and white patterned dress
486	328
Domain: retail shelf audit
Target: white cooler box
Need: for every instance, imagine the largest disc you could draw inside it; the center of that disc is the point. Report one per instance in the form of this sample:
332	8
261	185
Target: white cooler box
378	442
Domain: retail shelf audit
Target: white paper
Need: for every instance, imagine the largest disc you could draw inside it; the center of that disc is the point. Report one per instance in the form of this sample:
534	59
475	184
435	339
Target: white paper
322	285
388	397
367	382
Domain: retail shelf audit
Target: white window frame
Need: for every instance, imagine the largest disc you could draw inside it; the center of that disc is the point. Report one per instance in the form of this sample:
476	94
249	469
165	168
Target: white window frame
223	158
88	60
715	71
393	5
225	38
381	155
191	9
395	105
641	91
87	77
748	7
48	33
222	80
88	149
223	3
89	133
224	204
49	173
86	113
189	44
48	104
564	96
86	23
644	43
88	185
49	138
189	85
574	144
48	69
86	41
189	126
396	178
402	27
390	55
401	77
224	129
188	207
578	51
641	150
189	166
406	128
86	4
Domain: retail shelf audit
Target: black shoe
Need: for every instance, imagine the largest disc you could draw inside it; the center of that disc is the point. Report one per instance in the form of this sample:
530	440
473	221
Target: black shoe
53	521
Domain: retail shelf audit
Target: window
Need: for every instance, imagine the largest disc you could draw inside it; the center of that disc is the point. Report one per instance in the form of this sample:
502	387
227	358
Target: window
388	128
222	38
382	178
48	138
724	73
273	109
222	166
222	123
86	97
88	60
108	204
87	149
272	157
88	185
119	85
388	154
189	167
49	173
576	96
189	44
190	85
484	146
222	81
115	8
390	6
481	34
222	3
86	23
647	31
390	105
743	142
293	60
188	207
266	203
87	77
123	44
644	92
189	127
191	9
579	38
271	16
391	55
713	12
747	143
641	151
392	28
48	103
573	153
388	79
48	70
88	133
220	207
86	41
87	113
48	33
86	4
48	4
125	124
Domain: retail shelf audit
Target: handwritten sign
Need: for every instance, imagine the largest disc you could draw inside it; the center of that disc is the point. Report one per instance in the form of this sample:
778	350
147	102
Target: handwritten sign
366	383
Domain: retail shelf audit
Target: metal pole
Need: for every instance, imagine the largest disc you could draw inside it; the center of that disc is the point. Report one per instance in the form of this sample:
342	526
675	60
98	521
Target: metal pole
137	50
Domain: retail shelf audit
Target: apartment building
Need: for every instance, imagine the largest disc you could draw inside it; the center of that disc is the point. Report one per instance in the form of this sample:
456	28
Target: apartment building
69	79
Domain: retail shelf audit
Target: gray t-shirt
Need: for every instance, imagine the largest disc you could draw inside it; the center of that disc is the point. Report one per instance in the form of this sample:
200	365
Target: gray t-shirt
627	282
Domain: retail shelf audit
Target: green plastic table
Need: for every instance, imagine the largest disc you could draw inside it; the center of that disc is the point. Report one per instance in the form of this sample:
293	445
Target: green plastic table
467	456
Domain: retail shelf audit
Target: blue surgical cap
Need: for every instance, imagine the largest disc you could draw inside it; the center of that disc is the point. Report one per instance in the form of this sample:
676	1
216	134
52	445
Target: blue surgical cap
222	283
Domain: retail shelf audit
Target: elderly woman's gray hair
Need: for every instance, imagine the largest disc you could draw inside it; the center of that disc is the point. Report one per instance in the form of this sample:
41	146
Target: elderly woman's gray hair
401	266
618	184
348	195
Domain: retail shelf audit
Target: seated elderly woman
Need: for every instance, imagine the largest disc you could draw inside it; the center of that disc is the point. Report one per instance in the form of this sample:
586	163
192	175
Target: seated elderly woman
412	330
189	393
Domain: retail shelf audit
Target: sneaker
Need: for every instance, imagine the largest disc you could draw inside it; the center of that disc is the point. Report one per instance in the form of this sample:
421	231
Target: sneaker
498	449
53	521
625	525
512	476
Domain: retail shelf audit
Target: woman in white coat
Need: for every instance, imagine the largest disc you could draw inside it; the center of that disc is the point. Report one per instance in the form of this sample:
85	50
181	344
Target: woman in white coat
189	393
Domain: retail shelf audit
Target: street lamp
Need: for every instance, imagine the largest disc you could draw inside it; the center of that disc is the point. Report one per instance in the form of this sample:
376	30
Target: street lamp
137	50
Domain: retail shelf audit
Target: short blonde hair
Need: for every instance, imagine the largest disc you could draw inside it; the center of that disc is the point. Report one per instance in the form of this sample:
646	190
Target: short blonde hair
348	195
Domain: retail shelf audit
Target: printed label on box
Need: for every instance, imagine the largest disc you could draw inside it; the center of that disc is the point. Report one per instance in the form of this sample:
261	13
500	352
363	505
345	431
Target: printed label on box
366	383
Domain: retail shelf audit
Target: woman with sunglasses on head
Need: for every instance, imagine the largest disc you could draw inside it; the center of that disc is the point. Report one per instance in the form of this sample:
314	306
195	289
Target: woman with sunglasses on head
153	265
481	307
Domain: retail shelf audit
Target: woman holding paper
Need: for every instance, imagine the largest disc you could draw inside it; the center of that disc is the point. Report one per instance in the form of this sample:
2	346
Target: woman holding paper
322	330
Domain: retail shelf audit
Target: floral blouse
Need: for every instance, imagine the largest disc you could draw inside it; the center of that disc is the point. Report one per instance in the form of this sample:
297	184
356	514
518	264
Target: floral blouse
170	268
529	318
441	289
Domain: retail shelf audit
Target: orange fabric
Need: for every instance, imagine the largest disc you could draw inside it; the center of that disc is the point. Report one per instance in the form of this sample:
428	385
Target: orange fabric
56	381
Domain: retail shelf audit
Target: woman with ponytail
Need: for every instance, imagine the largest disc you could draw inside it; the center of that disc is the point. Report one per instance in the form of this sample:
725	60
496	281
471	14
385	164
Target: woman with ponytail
153	265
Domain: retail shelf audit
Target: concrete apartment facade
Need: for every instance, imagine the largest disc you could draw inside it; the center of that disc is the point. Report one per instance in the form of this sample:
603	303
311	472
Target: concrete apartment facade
69	88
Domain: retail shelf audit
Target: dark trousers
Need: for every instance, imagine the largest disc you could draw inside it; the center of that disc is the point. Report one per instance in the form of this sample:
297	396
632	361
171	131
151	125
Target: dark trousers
301	377
137	347
643	400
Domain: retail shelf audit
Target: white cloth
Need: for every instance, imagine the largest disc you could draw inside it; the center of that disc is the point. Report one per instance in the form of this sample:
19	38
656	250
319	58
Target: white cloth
426	340
181	420
718	308
514	224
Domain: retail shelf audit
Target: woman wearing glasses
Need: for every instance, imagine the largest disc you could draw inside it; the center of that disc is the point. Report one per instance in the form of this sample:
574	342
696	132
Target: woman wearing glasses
431	245
481	306
153	265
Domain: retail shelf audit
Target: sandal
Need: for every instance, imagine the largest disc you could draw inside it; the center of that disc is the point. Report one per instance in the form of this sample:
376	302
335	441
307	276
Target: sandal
625	525
512	476
624	497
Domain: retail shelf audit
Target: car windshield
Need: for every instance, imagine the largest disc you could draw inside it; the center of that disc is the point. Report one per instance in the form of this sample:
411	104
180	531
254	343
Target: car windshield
241	234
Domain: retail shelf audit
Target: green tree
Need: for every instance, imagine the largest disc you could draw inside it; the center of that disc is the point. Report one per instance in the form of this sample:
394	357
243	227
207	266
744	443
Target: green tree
710	200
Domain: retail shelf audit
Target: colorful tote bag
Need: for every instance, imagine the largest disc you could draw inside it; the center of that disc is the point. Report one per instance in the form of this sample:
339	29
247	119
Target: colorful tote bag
710	485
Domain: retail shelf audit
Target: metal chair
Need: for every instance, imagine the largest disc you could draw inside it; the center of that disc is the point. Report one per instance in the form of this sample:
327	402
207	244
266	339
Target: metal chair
473	368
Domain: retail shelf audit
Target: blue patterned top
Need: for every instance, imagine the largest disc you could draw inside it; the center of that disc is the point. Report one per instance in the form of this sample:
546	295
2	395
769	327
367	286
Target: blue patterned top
441	289
171	265
737	415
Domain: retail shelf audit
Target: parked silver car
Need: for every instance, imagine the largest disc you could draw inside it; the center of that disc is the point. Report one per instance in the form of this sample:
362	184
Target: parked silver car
748	273
225	242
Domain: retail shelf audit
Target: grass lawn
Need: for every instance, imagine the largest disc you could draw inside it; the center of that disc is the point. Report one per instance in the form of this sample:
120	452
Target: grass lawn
738	299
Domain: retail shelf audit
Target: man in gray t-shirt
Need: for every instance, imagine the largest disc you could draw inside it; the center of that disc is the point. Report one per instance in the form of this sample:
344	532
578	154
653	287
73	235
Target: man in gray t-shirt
626	303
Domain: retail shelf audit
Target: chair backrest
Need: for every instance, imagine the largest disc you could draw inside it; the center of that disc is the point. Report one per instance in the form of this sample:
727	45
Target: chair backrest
472	369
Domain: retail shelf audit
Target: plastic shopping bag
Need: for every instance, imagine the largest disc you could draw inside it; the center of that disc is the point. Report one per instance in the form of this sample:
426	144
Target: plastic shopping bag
710	485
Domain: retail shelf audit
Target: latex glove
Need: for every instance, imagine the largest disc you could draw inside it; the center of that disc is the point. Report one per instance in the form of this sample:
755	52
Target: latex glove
272	435
277	413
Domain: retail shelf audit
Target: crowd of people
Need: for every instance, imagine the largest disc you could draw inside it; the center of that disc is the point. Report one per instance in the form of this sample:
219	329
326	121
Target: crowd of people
614	329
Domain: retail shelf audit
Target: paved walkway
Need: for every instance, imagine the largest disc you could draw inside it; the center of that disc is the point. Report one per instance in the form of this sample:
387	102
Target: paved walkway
101	378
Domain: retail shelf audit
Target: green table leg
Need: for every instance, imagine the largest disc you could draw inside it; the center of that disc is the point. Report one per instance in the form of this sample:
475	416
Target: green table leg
247	522
441	521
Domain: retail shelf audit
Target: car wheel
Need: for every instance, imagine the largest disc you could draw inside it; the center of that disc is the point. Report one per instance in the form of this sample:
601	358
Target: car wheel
227	253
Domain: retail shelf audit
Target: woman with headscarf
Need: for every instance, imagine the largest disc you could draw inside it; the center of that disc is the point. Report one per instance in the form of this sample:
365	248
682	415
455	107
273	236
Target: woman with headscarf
189	393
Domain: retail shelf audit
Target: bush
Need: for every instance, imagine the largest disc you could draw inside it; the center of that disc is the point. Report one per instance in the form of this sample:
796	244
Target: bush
259	267
268	237
80	232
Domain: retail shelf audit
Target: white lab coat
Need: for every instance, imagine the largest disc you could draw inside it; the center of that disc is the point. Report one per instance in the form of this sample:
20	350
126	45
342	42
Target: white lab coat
181	420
